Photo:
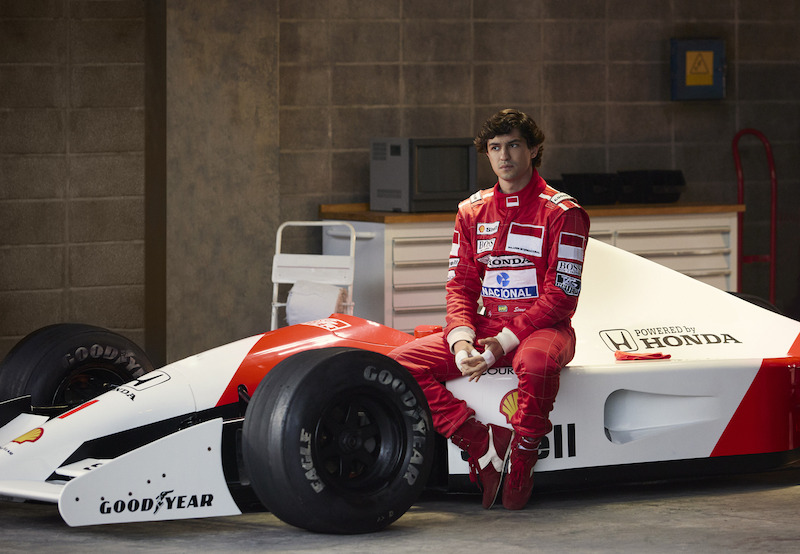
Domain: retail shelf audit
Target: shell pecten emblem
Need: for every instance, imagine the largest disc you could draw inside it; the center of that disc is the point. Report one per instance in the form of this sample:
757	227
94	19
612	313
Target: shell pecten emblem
508	405
31	436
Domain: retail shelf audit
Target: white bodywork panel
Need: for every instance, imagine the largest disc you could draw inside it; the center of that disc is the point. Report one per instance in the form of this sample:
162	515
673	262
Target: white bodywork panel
185	387
607	412
210	372
153	397
177	477
624	413
19	425
620	412
631	304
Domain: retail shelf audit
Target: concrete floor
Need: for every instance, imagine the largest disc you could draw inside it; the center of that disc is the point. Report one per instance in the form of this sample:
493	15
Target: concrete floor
757	513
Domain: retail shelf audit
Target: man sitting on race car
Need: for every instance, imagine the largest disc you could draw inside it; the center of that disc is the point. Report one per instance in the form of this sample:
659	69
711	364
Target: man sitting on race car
519	248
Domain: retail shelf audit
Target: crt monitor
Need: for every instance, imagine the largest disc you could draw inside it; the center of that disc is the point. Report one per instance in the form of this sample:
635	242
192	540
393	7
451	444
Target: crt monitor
421	174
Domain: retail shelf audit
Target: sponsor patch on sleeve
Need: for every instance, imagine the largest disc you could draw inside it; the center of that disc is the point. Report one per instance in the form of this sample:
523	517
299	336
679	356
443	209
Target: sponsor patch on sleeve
571	268
569	284
570	246
456	240
558	198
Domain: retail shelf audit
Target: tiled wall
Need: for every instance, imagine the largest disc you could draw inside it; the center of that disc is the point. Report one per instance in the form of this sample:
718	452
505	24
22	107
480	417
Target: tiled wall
223	203
271	105
594	73
71	165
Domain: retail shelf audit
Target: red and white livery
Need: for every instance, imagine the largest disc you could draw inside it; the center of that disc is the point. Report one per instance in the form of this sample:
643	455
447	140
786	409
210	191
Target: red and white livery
671	377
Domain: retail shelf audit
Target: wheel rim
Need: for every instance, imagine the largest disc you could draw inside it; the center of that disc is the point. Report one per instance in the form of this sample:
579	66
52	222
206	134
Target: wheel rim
358	444
87	383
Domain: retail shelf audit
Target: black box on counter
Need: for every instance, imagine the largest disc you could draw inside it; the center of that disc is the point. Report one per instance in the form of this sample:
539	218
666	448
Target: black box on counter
652	186
649	186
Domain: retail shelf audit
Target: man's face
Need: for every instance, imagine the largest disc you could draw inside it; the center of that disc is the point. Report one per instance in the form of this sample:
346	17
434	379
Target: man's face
510	157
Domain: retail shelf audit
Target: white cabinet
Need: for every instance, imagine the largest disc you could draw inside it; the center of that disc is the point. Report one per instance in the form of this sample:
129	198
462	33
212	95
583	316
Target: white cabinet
700	245
401	259
401	269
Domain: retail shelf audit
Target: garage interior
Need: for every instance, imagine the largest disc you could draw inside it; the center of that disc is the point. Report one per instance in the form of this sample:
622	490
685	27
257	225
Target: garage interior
149	150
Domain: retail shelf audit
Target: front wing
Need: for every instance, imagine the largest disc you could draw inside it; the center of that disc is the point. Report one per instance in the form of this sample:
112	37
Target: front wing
176	477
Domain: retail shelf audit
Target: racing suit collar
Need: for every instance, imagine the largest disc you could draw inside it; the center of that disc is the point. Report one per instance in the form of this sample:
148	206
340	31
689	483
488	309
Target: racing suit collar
534	188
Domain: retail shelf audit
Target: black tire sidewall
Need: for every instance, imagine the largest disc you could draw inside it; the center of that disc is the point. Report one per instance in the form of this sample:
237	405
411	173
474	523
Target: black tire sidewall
279	448
757	301
42	361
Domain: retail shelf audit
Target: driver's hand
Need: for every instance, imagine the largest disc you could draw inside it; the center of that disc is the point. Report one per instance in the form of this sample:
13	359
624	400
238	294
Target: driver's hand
472	363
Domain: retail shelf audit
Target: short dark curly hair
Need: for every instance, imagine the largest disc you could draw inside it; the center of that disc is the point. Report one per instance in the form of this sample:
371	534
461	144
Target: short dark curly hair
503	122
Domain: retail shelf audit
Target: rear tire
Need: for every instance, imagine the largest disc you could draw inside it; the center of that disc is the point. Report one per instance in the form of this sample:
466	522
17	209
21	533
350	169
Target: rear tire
69	363
758	301
338	440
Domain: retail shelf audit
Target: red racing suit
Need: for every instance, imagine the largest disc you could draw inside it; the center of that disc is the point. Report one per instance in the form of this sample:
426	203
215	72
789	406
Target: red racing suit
522	254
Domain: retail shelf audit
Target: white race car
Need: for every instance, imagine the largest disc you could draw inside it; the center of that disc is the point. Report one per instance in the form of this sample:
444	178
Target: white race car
671	378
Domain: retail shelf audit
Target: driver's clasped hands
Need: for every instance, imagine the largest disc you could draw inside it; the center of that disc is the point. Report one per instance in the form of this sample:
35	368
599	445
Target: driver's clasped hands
472	363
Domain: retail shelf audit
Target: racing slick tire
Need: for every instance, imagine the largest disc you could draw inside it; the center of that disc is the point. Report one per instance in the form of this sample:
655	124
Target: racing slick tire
338	440
758	301
66	364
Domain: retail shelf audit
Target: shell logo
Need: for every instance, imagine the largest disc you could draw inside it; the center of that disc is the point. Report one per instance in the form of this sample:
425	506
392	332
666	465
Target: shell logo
31	436
508	405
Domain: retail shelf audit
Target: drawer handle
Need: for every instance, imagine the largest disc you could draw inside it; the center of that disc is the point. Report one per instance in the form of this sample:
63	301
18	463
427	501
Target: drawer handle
419	286
420	309
437	263
667	232
707	273
675	253
410	241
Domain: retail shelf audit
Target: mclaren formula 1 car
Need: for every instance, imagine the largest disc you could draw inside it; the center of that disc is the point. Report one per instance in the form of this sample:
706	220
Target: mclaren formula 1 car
671	378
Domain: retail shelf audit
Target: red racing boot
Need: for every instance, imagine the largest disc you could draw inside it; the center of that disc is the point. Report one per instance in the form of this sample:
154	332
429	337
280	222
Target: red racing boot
488	448
519	481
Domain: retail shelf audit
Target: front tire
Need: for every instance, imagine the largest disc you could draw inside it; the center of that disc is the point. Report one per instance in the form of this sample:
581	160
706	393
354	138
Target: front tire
66	364
338	440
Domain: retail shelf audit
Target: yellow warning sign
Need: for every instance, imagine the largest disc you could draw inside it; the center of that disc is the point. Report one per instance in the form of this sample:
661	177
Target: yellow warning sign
699	67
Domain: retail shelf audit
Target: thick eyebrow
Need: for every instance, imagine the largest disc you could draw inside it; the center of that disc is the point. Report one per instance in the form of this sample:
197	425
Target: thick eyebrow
497	142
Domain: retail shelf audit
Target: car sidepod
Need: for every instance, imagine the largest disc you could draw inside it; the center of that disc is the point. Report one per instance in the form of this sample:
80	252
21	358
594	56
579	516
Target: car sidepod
720	395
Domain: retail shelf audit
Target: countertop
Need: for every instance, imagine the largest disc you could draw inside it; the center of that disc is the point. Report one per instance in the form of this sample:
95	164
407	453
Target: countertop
361	212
